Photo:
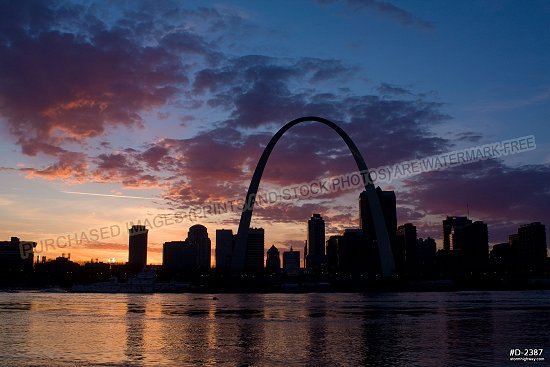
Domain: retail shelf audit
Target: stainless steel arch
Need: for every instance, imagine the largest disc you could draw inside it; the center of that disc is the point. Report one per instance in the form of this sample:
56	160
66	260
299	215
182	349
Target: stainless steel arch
384	249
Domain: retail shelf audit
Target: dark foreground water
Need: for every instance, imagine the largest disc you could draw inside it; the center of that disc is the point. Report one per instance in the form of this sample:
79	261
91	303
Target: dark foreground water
424	329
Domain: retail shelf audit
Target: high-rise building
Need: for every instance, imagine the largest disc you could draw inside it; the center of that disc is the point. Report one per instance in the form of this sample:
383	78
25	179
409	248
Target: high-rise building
405	252
137	246
529	245
475	246
198	237
452	232
332	254
224	249
389	210
273	261
315	256
179	256
255	251
291	260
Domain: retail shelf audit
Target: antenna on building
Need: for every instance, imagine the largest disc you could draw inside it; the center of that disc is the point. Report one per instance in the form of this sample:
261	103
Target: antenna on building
468	210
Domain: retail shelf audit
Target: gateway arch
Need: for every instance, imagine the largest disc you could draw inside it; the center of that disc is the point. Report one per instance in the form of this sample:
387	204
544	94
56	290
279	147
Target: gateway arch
384	249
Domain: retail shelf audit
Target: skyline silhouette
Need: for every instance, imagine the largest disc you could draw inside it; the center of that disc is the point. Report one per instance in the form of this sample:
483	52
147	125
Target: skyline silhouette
358	182
114	123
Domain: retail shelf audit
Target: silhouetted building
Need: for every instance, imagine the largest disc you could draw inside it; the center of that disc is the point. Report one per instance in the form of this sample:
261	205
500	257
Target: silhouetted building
137	247
467	244
273	261
332	254
405	250
198	237
224	249
513	241
452	232
528	246
501	254
174	259
255	251
426	249
61	271
475	246
389	210
16	256
315	255
352	252
291	260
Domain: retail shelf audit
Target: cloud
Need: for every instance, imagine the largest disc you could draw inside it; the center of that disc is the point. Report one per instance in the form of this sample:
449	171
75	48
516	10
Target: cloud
502	196
391	89
389	10
71	166
468	136
259	95
71	75
121	167
541	97
286	212
60	83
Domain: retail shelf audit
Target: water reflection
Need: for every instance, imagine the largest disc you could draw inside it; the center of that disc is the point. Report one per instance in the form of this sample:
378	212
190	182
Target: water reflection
316	344
250	324
15	315
427	329
382	320
136	306
470	322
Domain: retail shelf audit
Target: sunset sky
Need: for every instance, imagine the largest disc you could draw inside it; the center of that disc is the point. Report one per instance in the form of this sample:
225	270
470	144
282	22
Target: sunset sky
170	104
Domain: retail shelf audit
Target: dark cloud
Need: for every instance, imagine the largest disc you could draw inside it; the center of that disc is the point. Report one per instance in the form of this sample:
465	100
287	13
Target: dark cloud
407	215
259	94
502	196
122	167
67	76
61	83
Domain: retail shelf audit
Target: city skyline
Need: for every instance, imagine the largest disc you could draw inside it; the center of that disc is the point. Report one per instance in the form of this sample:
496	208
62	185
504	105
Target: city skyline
111	121
460	233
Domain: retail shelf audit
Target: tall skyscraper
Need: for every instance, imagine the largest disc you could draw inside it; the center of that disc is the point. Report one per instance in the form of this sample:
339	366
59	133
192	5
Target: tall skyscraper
406	254
198	237
475	246
137	246
389	210
332	254
452	232
224	249
255	251
273	261
315	256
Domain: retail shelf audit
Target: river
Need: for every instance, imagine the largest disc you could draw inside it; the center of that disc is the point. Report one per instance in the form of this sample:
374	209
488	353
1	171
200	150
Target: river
314	329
